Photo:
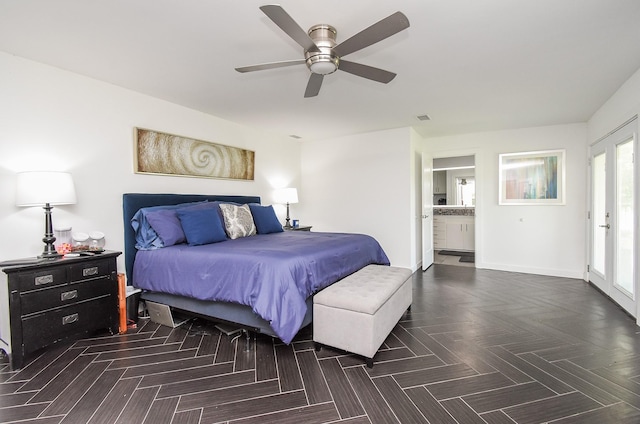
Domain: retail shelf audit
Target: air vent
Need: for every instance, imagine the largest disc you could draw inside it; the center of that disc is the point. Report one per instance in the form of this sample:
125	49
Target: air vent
424	117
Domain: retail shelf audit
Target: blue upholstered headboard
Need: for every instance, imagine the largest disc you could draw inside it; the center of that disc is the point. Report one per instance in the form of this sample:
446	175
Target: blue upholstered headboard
132	202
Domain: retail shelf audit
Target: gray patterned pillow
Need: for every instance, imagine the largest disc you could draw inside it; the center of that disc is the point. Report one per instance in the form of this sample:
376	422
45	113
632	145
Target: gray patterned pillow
238	221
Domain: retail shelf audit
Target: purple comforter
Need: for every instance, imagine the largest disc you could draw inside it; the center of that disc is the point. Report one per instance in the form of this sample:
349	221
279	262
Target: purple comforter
271	273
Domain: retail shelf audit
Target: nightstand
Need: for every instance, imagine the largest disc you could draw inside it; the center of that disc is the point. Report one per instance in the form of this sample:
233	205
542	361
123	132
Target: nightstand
300	228
53	300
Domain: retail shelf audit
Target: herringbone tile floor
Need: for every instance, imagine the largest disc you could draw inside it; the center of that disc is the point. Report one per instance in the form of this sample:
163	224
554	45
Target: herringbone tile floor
478	346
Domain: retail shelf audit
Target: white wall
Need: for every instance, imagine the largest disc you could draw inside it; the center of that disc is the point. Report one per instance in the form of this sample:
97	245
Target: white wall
546	240
622	106
56	120
361	184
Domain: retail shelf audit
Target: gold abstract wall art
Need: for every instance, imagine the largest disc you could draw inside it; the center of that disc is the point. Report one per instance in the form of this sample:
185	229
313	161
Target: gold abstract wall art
168	154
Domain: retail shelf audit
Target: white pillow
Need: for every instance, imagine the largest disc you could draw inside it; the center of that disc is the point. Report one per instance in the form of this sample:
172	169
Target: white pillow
238	221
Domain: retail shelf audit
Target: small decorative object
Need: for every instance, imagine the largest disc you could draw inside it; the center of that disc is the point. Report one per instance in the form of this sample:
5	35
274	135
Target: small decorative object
80	241
96	241
532	178
168	154
296	223
63	240
45	189
286	195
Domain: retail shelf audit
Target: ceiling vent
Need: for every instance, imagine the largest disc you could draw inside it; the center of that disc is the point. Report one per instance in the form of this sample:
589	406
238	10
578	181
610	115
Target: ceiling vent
424	117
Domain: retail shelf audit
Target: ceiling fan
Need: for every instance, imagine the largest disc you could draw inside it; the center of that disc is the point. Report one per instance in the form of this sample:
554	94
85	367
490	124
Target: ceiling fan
321	53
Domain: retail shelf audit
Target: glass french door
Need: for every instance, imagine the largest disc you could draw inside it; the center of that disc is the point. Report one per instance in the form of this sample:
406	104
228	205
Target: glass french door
613	216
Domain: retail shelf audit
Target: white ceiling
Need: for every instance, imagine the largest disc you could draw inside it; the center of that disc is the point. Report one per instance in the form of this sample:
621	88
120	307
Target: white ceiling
471	65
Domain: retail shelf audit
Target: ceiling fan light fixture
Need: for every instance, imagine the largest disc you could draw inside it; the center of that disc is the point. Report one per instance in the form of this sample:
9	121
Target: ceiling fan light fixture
322	64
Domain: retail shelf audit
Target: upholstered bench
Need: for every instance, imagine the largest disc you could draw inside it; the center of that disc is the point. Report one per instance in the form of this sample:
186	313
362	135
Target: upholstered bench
357	313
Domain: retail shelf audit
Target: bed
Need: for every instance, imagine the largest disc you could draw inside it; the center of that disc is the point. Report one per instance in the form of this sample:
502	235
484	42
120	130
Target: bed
263	282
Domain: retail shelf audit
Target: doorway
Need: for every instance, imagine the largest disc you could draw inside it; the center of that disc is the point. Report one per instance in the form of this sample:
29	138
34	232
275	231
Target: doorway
450	233
613	223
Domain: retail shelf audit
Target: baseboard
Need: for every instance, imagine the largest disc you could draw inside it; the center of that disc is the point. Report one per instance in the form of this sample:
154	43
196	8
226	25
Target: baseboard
564	273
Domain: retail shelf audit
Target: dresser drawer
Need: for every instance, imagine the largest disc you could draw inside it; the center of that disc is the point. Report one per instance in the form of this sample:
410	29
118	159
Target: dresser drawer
89	270
439	231
40	279
43	329
43	300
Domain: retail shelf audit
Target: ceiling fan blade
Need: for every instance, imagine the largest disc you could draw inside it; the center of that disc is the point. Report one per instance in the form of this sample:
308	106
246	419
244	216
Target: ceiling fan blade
286	23
314	84
271	65
366	71
377	32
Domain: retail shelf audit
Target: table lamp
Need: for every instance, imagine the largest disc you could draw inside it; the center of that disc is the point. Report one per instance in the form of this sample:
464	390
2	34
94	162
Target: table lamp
286	195
45	189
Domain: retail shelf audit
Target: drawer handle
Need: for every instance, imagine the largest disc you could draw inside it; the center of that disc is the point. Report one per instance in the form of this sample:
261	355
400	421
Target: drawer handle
86	272
44	279
70	319
69	295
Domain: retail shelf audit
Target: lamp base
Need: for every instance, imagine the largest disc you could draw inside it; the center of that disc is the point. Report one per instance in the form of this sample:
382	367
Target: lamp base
287	221
48	239
48	255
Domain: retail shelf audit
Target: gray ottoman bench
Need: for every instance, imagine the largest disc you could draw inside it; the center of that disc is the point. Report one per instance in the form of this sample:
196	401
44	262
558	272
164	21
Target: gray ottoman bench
357	313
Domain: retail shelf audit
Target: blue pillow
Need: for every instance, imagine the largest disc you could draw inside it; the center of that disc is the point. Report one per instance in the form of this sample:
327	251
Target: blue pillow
265	219
146	237
166	224
201	226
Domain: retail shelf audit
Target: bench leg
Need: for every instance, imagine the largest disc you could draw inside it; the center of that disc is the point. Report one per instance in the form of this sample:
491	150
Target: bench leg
369	362
317	346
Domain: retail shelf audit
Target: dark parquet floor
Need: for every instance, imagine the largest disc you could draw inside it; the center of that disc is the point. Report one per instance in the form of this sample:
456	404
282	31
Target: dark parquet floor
478	346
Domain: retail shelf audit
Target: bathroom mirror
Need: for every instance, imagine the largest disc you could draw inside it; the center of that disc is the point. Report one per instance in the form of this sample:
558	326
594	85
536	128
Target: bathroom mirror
454	182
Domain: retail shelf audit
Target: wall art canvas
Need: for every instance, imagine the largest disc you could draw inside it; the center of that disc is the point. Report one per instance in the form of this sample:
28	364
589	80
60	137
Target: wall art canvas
532	178
168	154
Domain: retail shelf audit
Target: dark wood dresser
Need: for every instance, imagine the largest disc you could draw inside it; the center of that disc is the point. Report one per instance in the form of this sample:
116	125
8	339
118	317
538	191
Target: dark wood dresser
54	300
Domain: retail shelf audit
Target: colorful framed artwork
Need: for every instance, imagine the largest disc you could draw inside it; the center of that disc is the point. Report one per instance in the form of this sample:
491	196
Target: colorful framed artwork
532	178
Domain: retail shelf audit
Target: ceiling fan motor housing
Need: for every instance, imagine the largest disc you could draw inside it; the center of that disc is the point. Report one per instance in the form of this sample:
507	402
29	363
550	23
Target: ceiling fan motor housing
325	61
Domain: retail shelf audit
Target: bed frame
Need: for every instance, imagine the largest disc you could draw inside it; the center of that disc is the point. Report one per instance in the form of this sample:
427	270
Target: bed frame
231	313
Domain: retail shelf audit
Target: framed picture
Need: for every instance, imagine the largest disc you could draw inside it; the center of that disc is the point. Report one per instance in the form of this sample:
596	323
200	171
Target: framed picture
168	154
532	178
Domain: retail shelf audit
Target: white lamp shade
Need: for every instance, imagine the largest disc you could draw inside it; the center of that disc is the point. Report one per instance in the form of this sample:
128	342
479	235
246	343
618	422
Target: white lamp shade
38	188
286	195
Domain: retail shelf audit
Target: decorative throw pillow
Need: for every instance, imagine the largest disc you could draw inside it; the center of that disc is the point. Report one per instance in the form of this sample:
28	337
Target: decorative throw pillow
146	237
238	221
265	219
201	226
166	224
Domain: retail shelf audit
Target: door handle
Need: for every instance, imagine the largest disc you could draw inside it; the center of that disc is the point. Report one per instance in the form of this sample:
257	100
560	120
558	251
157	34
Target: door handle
607	226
